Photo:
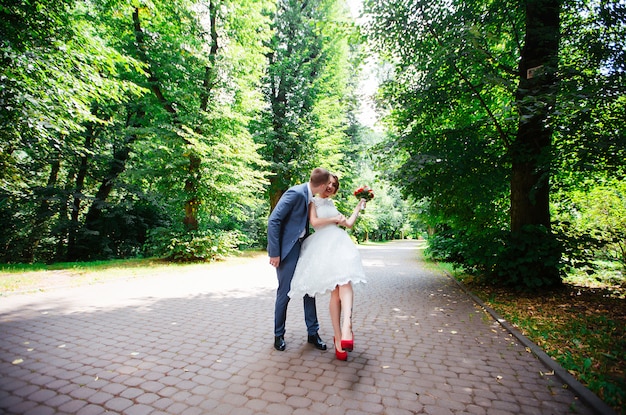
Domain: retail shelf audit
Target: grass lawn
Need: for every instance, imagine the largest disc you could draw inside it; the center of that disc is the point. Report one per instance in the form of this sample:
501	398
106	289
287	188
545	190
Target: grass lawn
40	277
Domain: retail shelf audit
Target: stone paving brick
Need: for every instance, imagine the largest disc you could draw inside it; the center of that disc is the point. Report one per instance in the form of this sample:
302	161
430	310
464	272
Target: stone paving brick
21	407
223	409
201	344
58	400
91	409
26	390
400	411
372	408
118	404
100	398
147	398
163	403
475	410
40	410
42	395
177	408
192	411
70	407
138	410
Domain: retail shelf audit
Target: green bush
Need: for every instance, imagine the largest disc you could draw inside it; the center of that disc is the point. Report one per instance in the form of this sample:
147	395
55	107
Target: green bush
594	220
529	259
193	245
524	259
446	247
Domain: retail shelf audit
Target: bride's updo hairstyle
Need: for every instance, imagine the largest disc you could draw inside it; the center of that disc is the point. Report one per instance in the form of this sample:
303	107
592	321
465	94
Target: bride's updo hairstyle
337	184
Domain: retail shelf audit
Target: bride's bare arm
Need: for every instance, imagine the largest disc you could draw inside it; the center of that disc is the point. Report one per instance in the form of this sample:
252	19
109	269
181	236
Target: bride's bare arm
317	222
355	213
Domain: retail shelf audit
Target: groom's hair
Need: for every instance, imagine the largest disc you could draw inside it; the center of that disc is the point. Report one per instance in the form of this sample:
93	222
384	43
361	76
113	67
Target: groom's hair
319	176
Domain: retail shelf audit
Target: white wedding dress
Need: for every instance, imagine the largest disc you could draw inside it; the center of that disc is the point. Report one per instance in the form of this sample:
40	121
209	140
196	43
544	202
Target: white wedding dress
328	257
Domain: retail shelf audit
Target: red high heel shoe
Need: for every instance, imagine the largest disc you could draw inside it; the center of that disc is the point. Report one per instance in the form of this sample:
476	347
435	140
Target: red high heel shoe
340	355
348	344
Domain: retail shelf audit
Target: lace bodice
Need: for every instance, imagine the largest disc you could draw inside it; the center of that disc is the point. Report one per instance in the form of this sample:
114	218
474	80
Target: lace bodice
325	208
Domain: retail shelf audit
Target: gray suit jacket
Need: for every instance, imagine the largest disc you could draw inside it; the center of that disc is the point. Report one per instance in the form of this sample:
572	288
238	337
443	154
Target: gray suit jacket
287	221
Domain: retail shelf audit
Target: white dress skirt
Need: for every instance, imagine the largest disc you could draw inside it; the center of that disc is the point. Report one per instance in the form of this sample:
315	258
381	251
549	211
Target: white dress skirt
328	257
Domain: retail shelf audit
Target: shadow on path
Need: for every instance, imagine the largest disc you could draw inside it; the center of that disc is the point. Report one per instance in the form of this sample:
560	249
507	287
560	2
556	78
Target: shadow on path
202	344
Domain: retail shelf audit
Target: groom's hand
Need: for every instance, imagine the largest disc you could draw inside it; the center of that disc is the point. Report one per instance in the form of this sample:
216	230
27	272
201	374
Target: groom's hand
275	261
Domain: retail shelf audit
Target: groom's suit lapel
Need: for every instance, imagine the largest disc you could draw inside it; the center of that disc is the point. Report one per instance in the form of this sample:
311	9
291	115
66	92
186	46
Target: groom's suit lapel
308	201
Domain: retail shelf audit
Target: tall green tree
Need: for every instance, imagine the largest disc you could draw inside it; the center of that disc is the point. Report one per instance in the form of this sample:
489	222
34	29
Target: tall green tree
53	70
308	89
451	116
201	64
476	98
591	135
145	111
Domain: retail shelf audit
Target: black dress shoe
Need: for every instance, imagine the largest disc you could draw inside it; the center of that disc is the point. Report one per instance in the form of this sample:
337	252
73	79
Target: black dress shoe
316	340
279	343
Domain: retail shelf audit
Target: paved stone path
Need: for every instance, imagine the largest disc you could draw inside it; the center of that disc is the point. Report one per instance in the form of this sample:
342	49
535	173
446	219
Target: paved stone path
201	343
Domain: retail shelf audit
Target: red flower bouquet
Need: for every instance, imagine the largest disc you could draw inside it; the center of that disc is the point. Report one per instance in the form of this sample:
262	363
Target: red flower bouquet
364	192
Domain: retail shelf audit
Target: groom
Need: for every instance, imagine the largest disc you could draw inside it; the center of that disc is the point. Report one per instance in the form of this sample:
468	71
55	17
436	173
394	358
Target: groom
288	225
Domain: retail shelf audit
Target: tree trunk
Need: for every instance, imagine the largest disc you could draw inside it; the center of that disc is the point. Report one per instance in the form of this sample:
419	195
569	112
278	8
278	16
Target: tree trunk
78	192
195	161
79	245
275	193
278	101
62	231
83	246
536	97
44	212
210	76
191	188
192	181
117	167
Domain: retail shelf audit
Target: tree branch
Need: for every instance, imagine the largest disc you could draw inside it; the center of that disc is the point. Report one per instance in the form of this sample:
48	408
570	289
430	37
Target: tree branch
152	79
209	81
472	87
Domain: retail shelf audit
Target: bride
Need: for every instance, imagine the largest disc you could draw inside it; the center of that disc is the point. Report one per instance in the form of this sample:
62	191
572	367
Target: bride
329	261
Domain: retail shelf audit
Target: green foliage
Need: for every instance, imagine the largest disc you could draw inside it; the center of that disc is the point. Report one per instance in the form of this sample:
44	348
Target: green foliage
594	220
122	231
528	259
453	109
387	215
309	92
445	246
108	103
192	246
384	217
523	260
609	274
445	146
591	112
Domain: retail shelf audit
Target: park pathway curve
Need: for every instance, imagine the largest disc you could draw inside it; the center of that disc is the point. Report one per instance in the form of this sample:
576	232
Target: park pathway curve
201	343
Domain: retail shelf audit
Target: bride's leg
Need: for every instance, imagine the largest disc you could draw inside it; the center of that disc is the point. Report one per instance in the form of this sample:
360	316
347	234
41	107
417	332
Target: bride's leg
335	315
346	295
